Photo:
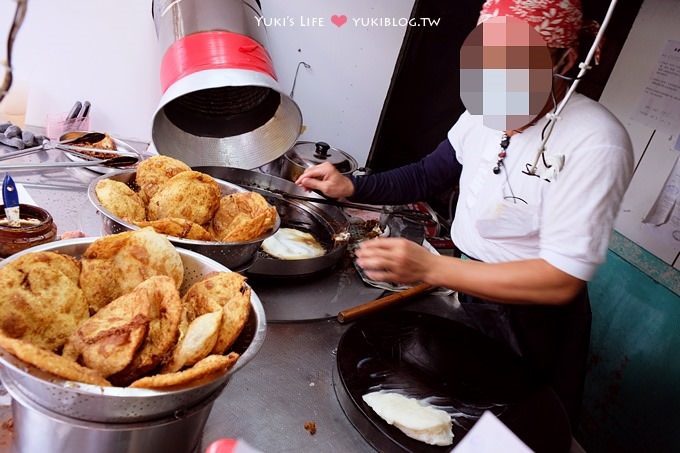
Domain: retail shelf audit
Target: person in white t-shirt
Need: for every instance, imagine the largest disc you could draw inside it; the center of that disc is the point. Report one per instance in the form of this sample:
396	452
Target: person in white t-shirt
533	227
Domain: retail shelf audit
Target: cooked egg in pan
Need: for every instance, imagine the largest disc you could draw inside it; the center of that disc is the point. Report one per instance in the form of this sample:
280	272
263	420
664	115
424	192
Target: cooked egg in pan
292	244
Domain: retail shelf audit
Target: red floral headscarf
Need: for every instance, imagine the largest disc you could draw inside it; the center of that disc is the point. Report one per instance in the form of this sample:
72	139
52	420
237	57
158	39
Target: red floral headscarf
558	21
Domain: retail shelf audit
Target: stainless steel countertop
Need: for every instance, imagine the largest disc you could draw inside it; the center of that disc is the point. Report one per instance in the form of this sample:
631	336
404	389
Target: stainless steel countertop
288	383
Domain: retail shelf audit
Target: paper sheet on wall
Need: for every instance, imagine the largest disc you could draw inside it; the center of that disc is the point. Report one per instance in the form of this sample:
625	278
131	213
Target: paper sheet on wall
659	104
666	208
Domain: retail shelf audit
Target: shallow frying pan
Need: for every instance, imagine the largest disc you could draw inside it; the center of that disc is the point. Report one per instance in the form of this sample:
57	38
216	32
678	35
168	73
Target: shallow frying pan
324	222
452	367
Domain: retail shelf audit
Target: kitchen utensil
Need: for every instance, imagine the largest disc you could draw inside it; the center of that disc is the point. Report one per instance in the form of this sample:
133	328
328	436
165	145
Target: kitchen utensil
82	151
395	211
89	137
86	110
122	404
114	162
73	113
381	303
449	366
327	224
73	138
75	153
39	185
10	199
36	429
235	255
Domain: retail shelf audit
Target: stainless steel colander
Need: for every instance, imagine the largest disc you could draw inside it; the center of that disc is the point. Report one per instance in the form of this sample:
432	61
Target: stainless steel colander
121	404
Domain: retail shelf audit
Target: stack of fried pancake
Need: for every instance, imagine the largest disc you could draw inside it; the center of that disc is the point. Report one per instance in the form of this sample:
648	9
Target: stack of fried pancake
173	199
115	316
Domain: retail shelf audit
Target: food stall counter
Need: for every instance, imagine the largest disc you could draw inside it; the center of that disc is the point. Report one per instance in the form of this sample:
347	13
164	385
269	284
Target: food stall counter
285	398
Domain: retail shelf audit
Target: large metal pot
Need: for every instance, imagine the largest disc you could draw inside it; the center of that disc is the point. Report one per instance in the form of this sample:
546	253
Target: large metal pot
122	404
307	154
36	428
326	223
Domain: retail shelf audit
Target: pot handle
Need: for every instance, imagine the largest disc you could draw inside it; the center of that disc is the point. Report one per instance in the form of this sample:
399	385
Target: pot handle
322	150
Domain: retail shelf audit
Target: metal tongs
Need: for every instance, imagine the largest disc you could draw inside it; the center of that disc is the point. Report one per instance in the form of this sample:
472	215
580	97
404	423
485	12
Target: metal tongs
89	137
115	162
413	215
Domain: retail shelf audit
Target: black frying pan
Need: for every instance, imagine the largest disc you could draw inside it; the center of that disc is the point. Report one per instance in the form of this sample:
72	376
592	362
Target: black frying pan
451	366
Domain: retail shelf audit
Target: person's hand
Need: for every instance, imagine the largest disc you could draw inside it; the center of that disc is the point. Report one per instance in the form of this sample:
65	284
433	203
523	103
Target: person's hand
72	234
395	260
326	179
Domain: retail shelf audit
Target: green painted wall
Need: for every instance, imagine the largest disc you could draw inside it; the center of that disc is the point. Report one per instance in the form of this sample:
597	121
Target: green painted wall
632	395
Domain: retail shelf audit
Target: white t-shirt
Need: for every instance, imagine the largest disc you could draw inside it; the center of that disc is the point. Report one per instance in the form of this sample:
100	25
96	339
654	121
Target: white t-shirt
513	216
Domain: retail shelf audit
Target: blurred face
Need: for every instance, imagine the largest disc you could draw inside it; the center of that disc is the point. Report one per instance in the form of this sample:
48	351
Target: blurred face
505	73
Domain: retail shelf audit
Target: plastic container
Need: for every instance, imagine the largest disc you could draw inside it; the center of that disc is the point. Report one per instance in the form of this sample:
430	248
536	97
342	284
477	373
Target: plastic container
59	123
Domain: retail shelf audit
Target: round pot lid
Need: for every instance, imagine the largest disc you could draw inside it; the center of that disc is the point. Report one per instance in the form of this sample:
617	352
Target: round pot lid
308	154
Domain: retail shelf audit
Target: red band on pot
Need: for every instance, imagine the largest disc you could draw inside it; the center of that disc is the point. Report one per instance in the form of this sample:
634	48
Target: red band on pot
213	50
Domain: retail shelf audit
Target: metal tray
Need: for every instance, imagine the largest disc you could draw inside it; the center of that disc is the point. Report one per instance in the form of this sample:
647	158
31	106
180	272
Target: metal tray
121	147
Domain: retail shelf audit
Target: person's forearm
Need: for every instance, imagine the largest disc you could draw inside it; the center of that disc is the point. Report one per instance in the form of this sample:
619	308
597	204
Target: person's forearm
435	173
517	282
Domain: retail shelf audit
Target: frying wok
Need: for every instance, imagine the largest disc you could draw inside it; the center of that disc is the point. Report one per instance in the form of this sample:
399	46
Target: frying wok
454	368
324	222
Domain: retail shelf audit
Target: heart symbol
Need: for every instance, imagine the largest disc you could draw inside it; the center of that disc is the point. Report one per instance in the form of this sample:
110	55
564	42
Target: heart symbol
339	21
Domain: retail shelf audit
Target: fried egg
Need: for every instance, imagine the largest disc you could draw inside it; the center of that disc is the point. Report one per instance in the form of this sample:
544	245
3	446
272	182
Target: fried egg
292	244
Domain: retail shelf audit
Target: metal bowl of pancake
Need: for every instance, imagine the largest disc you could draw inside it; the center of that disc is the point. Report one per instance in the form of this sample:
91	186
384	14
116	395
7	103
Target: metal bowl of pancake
237	256
329	225
112	404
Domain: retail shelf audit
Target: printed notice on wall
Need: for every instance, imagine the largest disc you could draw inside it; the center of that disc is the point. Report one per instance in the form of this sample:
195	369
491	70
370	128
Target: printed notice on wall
659	104
666	209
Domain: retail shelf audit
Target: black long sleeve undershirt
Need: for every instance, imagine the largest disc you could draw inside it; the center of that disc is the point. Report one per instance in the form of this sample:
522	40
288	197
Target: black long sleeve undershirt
433	174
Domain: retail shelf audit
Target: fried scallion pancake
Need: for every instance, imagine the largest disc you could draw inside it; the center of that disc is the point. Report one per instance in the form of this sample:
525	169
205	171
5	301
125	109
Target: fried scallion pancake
120	200
242	216
153	172
179	228
204	370
226	292
189	195
50	362
114	265
197	342
165	314
40	301
108	341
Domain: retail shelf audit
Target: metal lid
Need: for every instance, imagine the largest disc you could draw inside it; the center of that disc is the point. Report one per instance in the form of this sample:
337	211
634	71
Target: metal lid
307	154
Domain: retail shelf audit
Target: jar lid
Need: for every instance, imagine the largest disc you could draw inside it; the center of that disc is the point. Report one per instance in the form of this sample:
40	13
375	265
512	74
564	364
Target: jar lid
307	154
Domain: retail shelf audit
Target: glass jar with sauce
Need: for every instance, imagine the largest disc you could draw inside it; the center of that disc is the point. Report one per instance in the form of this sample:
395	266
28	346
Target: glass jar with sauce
37	227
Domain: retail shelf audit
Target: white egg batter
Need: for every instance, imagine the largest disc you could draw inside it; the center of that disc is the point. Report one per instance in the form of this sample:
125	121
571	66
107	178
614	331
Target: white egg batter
292	244
416	420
